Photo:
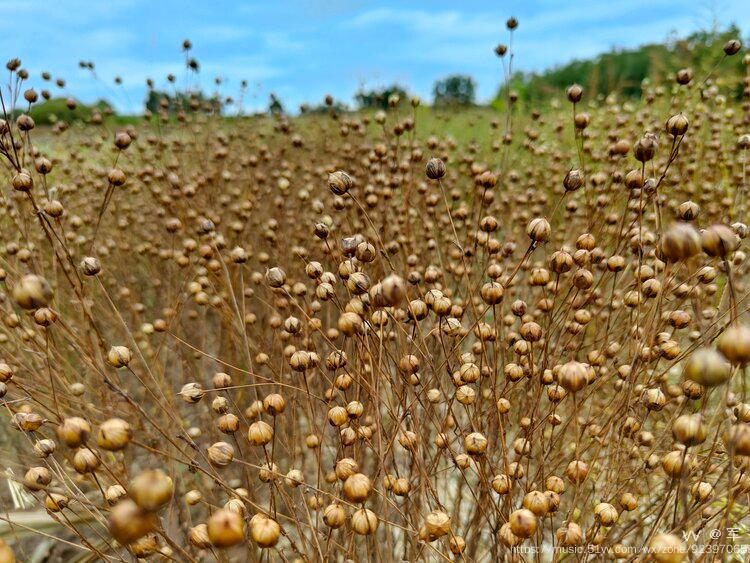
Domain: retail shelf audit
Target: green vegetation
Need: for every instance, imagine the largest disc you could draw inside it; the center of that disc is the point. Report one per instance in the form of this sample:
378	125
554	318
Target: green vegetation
624	70
56	109
380	98
455	90
157	101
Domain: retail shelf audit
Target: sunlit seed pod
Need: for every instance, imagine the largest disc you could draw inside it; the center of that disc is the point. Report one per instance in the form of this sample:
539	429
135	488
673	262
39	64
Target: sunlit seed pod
645	148
364	522
574	93
679	243
401	487
537	502
573	376
435	168
719	241
114	434
507	537
32	292
677	125
577	471
677	463
737	439
340	182
539	230
225	528
667	548
144	547
707	367
523	523
193	497
6	372
151	489
220	454
492	292
228	423
74	431
275	277
114	494
475	444
701	491
436	525
23	181
198	536
264	531
574	180
55	502
457	544
37	478
605	514
732	47
191	393
91	266
337	416
274	404
654	399
689	430
27	421
345	468
44	447
569	535
128	522
260	433
334	516
628	501
357	488
734	344
555	484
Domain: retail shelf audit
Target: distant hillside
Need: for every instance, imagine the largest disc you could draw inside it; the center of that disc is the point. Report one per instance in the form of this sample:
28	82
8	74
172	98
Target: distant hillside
623	70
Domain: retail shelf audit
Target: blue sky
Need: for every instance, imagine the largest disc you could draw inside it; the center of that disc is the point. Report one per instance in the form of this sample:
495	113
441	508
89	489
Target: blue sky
303	50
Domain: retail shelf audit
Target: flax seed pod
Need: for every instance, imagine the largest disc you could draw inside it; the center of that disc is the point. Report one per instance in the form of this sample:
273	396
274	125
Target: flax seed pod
225	528
680	242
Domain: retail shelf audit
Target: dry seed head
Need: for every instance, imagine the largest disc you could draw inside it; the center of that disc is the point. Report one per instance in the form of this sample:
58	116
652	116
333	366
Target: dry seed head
119	356
574	93
707	367
357	488
74	431
364	522
340	182
264	531
435	168
523	523
734	344
732	47
128	522
191	392
719	241
220	454
114	434
151	489
225	528
32	292
260	433
667	548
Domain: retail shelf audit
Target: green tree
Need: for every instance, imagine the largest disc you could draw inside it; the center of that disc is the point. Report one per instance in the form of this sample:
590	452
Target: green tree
624	70
379	98
50	111
181	101
275	107
455	90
